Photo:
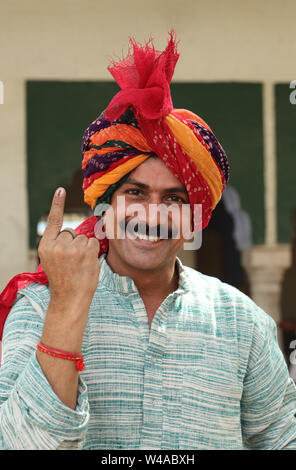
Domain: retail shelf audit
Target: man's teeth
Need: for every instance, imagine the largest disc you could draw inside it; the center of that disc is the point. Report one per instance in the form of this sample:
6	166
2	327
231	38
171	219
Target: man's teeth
147	237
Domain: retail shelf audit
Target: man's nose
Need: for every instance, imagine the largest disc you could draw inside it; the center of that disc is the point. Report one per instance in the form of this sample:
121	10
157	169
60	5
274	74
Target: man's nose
155	198
157	213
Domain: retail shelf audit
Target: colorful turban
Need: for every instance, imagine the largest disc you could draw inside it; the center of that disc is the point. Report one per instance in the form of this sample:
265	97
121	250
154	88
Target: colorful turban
141	121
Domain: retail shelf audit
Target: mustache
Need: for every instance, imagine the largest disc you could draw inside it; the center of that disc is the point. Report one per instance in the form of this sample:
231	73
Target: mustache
142	228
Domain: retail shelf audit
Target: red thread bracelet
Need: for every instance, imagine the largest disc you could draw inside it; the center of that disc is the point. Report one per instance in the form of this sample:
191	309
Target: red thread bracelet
62	355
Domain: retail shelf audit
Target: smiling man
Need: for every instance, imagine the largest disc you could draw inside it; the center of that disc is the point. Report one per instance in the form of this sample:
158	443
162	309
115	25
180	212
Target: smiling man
115	344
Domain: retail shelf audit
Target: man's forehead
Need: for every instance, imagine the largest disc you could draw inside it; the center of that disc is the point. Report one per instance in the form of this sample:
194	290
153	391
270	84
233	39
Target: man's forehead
154	173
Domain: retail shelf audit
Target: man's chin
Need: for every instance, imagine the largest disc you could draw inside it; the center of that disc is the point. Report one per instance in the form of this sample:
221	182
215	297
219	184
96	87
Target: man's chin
143	255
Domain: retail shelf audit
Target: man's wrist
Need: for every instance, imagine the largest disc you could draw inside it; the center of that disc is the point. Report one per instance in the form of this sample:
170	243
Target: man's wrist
78	301
68	312
64	326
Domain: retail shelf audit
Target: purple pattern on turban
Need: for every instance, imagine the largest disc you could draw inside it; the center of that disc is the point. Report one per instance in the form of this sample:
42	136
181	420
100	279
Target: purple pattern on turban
102	162
94	127
101	123
214	148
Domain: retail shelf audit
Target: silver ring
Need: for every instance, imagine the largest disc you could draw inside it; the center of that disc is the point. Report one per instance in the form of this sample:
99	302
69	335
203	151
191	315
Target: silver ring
66	230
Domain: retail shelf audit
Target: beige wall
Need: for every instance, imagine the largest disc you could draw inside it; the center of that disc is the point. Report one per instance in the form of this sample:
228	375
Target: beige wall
71	39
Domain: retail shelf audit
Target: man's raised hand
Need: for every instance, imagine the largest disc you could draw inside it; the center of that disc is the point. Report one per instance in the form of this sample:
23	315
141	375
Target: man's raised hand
72	265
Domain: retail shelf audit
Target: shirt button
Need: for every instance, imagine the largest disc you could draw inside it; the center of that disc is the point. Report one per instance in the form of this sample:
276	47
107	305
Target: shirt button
153	359
156	401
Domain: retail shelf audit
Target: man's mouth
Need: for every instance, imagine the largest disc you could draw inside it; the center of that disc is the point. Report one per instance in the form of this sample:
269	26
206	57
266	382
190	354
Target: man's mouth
147	237
148	240
141	233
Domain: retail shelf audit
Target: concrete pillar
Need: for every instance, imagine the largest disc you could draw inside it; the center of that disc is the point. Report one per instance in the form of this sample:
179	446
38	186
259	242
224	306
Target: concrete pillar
266	266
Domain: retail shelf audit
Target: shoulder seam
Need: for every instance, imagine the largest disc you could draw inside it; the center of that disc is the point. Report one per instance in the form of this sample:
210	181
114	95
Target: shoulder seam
36	301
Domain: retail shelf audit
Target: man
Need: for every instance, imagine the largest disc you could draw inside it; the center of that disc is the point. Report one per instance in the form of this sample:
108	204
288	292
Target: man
173	359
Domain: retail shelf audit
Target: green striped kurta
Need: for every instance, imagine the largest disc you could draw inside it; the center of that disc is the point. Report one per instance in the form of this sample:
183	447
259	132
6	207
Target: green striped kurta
209	373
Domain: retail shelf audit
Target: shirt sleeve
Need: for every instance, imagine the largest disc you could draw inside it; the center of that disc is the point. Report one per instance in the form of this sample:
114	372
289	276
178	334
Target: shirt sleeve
31	414
268	405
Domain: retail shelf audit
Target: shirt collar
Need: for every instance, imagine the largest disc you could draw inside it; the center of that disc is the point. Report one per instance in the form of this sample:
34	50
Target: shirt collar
126	285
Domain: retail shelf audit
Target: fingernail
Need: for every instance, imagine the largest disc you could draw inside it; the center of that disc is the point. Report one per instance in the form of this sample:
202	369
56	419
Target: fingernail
60	192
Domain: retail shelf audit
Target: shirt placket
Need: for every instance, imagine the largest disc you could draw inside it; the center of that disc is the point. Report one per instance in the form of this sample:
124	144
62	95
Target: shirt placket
154	343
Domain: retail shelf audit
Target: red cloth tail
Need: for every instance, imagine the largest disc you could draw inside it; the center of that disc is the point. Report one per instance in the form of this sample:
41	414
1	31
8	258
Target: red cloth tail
144	77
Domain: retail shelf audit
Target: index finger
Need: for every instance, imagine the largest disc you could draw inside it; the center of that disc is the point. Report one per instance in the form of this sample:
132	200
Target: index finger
55	216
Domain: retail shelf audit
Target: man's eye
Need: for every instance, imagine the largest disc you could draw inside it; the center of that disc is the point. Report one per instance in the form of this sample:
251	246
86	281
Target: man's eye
134	192
176	198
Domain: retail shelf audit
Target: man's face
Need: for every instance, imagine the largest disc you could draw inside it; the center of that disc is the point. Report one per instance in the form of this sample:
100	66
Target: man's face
149	185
